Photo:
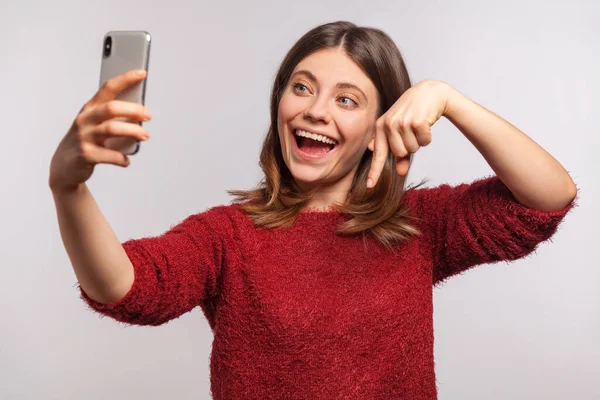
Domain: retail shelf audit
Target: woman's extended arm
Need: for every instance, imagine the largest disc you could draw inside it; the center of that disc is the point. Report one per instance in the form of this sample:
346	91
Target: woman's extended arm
535	178
99	261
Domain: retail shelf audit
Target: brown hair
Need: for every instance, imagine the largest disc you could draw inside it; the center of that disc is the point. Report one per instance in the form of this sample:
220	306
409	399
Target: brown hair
278	200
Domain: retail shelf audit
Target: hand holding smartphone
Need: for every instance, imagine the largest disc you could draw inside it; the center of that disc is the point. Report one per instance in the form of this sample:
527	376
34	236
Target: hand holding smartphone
124	51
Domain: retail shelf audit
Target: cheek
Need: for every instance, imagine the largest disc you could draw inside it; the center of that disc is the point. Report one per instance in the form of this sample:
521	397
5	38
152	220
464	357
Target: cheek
283	114
289	107
357	129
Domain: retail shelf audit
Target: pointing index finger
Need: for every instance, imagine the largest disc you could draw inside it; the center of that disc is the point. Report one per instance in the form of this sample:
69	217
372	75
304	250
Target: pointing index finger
380	153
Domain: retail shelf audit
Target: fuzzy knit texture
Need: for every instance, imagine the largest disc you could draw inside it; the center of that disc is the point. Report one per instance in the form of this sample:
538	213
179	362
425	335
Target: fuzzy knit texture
302	313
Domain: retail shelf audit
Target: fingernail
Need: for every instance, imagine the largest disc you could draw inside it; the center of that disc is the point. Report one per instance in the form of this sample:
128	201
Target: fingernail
140	72
147	115
369	183
146	135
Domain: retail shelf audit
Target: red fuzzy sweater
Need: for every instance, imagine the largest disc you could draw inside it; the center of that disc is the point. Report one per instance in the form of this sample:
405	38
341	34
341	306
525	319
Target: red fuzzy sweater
301	313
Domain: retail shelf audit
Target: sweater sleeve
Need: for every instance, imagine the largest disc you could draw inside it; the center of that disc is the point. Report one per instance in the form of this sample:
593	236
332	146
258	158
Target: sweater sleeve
478	223
174	272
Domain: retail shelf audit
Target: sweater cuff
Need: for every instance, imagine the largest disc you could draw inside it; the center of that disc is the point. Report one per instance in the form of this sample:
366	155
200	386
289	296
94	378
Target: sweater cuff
129	308
544	221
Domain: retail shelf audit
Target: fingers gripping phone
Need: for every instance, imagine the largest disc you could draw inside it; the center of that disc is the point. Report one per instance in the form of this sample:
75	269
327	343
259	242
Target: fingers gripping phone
122	52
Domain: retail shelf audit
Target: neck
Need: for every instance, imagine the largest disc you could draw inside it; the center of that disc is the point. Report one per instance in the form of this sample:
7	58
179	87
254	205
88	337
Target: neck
328	193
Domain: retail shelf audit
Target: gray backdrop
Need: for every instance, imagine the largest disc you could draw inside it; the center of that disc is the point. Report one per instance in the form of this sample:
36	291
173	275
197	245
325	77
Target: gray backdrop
528	330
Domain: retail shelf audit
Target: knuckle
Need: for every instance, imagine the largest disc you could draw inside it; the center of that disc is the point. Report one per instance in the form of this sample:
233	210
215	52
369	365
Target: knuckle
85	107
111	108
111	127
110	85
418	124
85	151
403	151
80	135
79	121
389	123
413	148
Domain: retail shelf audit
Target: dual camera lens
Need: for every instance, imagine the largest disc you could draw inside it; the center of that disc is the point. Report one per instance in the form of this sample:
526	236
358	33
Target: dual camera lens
107	46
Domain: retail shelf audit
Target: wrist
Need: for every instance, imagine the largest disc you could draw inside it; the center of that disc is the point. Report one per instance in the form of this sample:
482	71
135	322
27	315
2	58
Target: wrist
453	99
66	192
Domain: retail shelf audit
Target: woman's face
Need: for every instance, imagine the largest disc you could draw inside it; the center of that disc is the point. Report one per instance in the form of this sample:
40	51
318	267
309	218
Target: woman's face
328	95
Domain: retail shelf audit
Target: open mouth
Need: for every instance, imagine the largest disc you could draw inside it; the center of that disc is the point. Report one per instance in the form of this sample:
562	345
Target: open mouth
312	144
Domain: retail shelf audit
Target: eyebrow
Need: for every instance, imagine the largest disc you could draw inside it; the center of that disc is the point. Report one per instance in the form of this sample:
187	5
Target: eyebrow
341	85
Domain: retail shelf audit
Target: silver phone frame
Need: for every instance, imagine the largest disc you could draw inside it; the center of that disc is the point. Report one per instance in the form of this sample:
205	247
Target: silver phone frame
132	51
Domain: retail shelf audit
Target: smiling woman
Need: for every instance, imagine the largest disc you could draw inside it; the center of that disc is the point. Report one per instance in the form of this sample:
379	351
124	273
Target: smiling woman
328	93
318	304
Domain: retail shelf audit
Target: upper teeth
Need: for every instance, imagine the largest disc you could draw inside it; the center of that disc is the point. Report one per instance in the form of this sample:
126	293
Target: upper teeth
314	136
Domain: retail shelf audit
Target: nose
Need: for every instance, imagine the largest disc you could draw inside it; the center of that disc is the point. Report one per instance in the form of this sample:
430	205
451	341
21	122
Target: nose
318	111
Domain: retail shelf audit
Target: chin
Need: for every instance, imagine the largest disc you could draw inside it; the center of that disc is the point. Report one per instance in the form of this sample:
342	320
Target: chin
306	175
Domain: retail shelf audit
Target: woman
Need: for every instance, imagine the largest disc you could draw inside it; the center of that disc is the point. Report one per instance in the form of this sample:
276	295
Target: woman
318	283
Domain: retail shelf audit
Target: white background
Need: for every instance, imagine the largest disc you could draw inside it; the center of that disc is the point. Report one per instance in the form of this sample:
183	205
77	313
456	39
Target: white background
526	330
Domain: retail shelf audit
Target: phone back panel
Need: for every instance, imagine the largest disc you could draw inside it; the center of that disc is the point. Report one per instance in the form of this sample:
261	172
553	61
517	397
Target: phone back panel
130	50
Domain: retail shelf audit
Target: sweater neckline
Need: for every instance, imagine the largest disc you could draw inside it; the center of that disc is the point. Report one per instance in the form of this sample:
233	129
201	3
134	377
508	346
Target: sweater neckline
320	210
328	210
321	214
315	214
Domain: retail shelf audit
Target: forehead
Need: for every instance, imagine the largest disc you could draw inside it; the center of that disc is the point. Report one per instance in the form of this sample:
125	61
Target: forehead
331	66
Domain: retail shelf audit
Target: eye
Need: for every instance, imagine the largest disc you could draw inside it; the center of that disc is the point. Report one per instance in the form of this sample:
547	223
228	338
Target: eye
300	88
347	101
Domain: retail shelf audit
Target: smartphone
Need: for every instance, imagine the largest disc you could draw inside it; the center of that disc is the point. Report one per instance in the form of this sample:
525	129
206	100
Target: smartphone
123	51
